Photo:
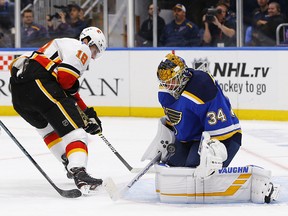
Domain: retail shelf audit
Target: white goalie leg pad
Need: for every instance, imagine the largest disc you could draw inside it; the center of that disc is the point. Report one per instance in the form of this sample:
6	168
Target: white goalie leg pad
77	158
260	187
57	146
227	185
212	154
163	138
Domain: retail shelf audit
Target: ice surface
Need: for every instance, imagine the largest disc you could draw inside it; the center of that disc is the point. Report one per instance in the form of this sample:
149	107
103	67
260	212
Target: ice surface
24	191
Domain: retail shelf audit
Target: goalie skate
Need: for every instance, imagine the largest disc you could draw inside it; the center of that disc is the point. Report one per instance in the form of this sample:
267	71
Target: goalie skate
273	193
85	182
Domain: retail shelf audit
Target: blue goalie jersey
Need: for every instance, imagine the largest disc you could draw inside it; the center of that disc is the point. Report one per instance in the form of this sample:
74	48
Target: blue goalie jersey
202	106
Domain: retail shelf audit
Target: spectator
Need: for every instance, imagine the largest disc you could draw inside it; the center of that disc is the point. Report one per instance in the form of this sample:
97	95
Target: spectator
248	8
77	24
6	14
219	32
259	15
266	34
180	32
284	7
145	35
63	28
230	15
32	34
195	8
6	23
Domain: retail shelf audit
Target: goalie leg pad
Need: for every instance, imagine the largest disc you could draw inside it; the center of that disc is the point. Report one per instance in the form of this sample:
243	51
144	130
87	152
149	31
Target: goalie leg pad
227	185
260	186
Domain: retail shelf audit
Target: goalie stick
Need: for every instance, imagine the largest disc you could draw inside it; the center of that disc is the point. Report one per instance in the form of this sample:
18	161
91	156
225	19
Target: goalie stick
73	193
112	189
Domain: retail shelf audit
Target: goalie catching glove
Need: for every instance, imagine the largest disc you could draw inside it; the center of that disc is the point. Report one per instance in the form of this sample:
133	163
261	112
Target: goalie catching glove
212	154
93	125
163	142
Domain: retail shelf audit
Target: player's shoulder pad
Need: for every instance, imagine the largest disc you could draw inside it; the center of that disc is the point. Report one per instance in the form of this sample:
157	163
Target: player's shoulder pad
85	49
202	85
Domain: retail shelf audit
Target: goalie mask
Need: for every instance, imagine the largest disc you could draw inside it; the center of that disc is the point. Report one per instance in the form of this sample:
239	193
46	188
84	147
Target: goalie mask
173	74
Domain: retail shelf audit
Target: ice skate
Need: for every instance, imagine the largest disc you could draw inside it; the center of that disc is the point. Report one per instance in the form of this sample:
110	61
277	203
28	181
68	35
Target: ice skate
84	181
273	193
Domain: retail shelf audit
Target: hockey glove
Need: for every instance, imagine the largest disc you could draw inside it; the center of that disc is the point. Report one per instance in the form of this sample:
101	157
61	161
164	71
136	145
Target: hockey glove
212	154
94	125
163	142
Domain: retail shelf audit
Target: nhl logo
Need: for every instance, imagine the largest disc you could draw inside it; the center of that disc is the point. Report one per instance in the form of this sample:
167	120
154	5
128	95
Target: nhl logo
201	64
65	123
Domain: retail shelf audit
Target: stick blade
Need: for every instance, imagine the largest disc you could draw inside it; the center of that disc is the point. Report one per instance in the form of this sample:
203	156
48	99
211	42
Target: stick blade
74	193
111	189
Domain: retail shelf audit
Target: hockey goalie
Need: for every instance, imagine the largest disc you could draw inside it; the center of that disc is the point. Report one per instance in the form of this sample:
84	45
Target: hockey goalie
209	182
198	138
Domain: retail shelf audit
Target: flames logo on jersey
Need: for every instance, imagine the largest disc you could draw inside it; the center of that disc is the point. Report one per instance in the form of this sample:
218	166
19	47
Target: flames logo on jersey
173	115
201	64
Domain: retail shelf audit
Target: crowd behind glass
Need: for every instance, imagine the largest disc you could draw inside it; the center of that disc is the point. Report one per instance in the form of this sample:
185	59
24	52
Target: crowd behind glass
196	23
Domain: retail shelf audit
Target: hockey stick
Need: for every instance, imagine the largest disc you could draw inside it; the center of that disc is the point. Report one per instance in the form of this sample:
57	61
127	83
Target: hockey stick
115	193
86	120
73	193
130	168
126	164
116	152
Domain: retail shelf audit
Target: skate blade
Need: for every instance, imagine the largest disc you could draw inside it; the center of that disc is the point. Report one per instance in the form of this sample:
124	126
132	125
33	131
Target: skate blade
88	190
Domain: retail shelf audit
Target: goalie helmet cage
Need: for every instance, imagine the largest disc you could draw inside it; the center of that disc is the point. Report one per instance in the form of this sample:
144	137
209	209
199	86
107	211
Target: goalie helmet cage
73	193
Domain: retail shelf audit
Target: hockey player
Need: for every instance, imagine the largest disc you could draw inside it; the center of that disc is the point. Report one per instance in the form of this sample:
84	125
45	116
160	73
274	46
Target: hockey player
193	102
44	88
201	133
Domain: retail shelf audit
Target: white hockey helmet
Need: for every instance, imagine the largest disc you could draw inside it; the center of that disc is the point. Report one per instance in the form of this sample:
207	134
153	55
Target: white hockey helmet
94	36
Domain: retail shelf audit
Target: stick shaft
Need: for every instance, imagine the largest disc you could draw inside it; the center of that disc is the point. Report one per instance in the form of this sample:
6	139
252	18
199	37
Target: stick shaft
116	152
